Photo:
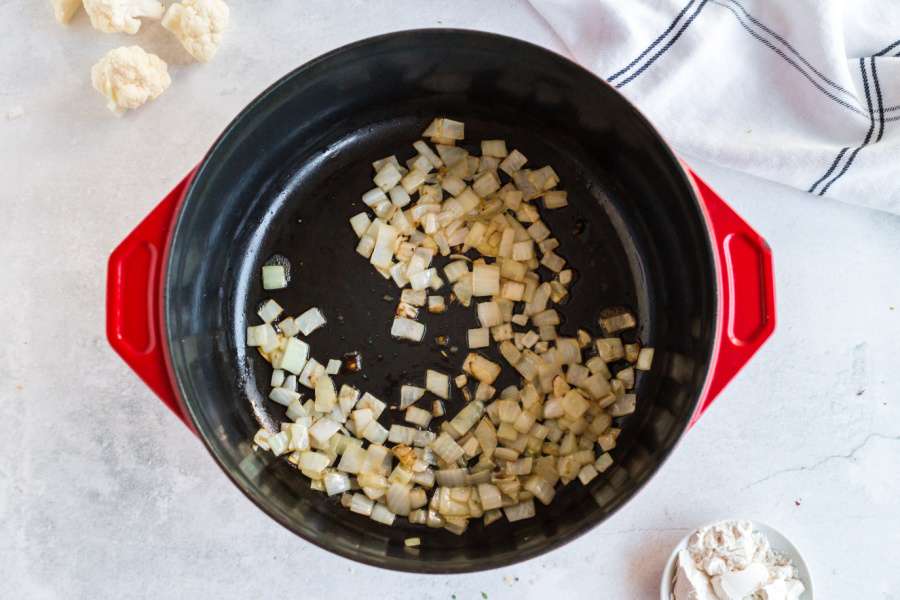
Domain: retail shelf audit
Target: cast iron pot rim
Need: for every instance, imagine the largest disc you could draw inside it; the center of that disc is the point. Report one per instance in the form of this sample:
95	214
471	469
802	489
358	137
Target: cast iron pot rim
411	564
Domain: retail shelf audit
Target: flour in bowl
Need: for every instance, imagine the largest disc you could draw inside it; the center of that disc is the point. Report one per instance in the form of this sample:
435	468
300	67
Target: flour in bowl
730	561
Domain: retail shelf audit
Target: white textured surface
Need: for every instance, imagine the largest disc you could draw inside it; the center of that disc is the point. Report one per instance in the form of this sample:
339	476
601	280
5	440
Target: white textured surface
104	494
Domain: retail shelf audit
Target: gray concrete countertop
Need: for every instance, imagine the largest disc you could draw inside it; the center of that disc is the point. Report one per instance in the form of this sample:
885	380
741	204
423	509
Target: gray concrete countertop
104	494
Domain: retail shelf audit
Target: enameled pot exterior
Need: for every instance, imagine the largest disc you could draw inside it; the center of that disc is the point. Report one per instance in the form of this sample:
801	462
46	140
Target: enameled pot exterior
150	324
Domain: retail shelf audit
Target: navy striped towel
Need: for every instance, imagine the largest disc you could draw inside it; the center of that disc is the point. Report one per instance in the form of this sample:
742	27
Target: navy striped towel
803	92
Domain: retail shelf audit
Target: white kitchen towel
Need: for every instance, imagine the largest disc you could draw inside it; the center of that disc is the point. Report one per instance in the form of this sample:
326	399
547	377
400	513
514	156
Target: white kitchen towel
804	92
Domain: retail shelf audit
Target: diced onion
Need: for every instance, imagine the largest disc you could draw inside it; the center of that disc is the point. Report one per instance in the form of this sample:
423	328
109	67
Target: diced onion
437	383
299	437
596	385
517	512
428	153
523	250
407	329
313	464
489	314
544	178
365	246
373	196
361	505
375	433
409	395
383	161
626	376
399	197
451	477
538	302
479	338
435	283
412	180
326	397
312	370
352	460
486	184
418	416
400	434
260	335
494	456
513	162
538	231
510	353
623	406
574	404
526	366
485	280
612	321
553	262
383	251
502	332
323	429
413	297
421	280
455	270
453	185
381	514
447	448
555	199
644	360
387	177
347	398
496	148
372	403
269	311
451	154
610	349
310	320
447	129
604	462
462	289
290	383
282	396
288	327
424	438
567	350
384	209
274	277
436	304
467	417
277	378
398	499
437	408
336	483
296	353
278	443
481	368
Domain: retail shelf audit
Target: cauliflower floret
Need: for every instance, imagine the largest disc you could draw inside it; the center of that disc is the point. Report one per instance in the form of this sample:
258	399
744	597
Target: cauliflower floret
198	25
112	16
64	10
129	76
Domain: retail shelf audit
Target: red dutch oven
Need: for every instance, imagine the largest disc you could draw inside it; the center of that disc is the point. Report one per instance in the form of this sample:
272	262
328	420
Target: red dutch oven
641	230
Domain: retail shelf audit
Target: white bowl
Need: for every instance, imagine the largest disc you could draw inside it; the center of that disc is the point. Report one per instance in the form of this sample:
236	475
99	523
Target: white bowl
777	541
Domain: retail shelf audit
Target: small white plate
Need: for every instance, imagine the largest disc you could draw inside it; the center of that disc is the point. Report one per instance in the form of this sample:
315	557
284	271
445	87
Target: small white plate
777	541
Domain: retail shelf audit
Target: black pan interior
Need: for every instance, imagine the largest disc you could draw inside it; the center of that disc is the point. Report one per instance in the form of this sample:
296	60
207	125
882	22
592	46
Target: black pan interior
288	173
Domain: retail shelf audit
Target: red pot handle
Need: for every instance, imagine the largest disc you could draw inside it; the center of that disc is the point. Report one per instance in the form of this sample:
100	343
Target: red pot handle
747	289
134	298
